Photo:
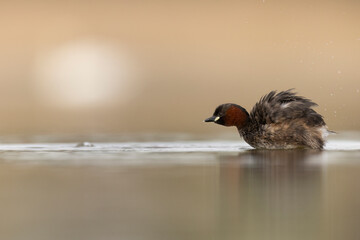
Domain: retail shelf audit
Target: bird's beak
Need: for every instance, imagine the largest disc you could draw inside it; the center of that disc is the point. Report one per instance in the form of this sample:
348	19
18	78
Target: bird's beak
211	119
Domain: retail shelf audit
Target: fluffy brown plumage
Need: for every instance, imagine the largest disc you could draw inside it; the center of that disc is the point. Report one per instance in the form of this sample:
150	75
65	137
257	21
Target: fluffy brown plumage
278	121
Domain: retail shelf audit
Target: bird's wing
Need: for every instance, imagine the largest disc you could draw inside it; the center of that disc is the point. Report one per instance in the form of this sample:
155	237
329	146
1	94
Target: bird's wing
284	106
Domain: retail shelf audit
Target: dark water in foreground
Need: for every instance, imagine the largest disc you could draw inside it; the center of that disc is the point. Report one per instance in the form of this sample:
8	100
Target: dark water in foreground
179	190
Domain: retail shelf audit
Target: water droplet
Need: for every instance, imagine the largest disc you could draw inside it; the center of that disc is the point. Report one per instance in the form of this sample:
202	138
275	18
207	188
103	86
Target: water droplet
84	144
357	90
331	94
332	57
339	71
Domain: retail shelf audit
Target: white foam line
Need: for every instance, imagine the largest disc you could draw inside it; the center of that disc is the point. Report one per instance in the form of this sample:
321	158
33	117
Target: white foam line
188	146
131	146
342	145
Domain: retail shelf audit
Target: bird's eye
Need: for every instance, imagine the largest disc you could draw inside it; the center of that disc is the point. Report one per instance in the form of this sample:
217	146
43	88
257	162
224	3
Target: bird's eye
217	118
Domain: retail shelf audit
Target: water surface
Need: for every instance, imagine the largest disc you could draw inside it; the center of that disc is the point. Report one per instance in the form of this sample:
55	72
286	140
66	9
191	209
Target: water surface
179	190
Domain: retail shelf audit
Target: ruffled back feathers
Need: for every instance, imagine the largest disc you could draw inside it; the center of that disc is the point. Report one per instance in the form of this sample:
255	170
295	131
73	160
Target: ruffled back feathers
285	106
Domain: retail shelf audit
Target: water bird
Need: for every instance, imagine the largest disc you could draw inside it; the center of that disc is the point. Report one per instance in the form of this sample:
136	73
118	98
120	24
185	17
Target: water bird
280	120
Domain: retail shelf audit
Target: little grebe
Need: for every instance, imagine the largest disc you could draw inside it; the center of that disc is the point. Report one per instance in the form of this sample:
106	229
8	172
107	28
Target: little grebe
278	121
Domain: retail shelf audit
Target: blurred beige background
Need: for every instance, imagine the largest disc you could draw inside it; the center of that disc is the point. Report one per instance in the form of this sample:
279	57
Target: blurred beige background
163	66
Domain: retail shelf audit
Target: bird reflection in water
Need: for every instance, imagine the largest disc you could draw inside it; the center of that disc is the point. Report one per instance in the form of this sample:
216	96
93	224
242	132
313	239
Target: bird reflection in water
270	194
